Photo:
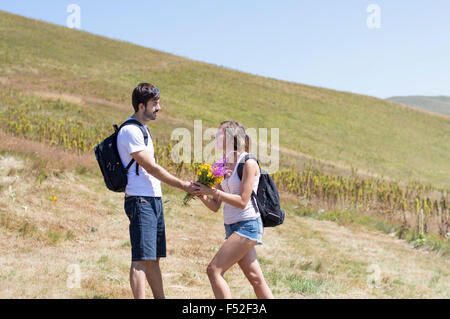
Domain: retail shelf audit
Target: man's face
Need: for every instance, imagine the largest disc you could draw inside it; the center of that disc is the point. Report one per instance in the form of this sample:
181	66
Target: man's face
150	111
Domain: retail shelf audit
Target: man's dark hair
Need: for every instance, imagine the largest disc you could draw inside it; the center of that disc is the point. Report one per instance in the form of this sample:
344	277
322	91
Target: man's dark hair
143	93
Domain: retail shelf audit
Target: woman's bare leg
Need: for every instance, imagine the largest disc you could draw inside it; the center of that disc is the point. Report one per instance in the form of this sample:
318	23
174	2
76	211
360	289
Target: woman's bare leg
233	250
250	266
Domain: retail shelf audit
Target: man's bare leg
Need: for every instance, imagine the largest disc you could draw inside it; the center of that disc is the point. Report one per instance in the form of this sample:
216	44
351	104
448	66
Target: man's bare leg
154	278
146	269
137	279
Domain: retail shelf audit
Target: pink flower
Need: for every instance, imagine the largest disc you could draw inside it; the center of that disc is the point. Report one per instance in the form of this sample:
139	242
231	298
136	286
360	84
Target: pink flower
218	168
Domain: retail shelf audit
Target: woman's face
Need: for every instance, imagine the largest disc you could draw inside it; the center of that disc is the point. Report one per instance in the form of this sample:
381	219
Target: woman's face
220	140
221	146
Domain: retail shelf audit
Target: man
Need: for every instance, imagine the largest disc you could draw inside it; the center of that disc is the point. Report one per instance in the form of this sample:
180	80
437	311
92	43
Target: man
143	202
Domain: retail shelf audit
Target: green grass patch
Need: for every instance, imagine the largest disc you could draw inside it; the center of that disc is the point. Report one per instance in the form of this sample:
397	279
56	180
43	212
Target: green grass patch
54	236
303	285
426	241
126	244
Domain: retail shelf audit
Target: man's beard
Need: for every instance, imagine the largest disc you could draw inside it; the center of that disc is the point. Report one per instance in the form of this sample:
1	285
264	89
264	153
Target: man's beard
151	116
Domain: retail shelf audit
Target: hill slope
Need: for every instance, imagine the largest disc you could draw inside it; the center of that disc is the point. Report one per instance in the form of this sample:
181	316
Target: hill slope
379	136
436	104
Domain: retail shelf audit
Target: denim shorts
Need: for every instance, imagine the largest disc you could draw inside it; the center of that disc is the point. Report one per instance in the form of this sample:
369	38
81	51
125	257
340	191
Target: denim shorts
252	229
147	229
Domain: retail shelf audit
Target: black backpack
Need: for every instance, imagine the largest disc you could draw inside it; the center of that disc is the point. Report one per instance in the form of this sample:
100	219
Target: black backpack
267	199
107	154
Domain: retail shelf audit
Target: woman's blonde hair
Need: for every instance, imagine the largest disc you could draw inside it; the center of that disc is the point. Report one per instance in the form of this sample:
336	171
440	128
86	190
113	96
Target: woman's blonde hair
236	131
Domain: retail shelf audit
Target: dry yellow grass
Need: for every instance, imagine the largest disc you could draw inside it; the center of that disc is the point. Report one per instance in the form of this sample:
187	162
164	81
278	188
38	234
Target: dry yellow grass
85	225
45	156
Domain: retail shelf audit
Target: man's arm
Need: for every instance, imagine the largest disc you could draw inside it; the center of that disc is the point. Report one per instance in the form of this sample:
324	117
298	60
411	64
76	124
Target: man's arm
144	159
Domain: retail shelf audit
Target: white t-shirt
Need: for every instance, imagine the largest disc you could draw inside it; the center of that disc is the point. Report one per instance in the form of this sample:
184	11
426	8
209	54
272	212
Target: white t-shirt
130	140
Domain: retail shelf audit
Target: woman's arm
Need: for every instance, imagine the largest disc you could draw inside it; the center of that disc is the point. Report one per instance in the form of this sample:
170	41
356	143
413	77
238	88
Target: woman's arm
240	201
211	202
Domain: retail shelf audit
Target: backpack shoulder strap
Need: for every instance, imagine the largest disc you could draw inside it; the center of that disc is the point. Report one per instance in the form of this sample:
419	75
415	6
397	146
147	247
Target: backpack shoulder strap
241	164
144	133
138	124
240	170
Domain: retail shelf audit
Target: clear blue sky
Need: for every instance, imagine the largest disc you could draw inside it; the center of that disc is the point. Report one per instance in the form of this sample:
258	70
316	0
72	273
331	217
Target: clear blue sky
323	43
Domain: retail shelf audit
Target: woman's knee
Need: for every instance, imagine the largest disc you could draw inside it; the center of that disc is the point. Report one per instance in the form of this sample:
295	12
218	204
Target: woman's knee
255	278
212	270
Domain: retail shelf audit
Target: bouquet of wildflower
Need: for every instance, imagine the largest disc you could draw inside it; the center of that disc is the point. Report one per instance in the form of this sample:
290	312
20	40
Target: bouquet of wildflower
208	175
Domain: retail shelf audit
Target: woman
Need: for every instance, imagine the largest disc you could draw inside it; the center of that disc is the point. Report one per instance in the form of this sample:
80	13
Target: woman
243	225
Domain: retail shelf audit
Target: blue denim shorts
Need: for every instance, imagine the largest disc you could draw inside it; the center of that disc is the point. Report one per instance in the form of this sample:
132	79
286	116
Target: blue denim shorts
252	229
147	229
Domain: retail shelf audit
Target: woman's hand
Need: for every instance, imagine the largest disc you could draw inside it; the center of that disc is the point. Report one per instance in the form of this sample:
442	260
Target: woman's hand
200	189
210	202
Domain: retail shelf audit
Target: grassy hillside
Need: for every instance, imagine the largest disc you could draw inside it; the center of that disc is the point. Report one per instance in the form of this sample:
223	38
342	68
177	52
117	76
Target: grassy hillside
436	104
337	127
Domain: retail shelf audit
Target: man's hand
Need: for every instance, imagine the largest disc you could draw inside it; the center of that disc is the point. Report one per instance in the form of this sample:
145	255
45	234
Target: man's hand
189	187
